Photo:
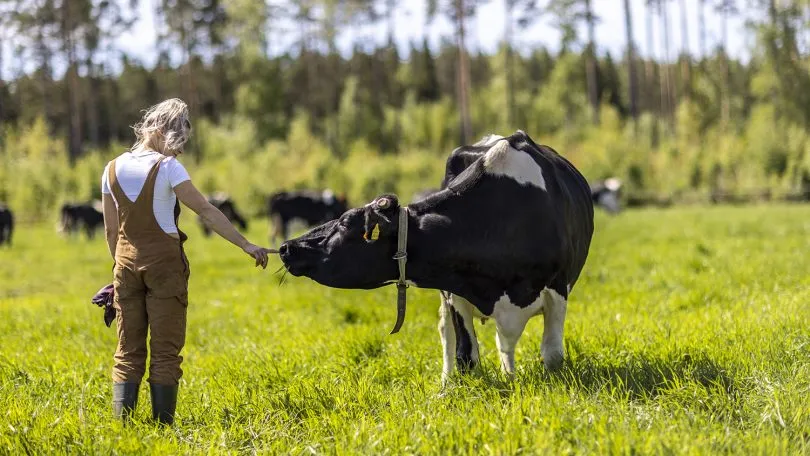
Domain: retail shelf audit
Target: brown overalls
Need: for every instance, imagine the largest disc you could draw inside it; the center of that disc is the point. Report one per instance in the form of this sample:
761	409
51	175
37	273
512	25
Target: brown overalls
151	288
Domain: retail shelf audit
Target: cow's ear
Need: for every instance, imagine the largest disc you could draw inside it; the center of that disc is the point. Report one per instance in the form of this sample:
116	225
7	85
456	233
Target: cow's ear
379	218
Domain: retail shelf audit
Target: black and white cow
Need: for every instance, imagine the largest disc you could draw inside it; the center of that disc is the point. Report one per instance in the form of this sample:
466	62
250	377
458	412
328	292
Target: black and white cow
225	204
606	194
506	239
6	225
311	207
75	216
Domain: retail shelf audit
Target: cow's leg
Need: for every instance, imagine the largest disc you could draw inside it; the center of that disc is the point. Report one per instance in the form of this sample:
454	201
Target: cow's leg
466	340
448	335
554	310
275	228
285	229
508	329
510	321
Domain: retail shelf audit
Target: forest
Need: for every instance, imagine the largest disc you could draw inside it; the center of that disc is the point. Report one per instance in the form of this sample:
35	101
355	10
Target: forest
677	124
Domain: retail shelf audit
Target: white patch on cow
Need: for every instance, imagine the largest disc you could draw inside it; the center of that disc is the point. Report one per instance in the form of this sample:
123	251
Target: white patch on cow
553	325
448	335
328	196
488	140
447	331
510	321
503	160
613	184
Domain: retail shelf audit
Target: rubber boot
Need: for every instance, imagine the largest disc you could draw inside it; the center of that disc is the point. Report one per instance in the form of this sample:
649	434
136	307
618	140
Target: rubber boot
164	401
125	398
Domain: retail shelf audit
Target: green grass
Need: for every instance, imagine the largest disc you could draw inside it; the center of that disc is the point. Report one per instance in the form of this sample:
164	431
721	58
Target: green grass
688	333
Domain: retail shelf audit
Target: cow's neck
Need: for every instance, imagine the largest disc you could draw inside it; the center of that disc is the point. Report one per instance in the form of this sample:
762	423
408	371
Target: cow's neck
432	264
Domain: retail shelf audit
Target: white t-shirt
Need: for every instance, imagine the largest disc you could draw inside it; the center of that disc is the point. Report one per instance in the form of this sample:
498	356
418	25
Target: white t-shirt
131	170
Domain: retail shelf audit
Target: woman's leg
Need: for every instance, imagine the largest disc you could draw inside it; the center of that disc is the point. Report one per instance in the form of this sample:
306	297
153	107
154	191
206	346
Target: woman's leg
167	321
130	354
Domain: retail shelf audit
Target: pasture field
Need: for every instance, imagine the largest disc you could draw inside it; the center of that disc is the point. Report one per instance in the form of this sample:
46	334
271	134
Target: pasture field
688	333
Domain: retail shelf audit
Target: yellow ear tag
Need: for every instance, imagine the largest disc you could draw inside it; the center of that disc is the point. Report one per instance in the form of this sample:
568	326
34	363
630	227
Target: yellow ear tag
375	233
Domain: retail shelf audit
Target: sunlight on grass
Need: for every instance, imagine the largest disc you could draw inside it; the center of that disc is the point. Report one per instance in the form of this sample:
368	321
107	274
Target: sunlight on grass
687	334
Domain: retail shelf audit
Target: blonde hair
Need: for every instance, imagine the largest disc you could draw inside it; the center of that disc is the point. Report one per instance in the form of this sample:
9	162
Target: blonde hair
168	119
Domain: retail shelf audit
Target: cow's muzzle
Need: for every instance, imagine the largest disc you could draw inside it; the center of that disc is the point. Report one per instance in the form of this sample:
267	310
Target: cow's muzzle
299	260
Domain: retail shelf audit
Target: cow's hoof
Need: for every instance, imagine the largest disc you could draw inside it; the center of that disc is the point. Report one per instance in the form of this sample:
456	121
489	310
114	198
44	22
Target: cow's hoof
466	366
553	361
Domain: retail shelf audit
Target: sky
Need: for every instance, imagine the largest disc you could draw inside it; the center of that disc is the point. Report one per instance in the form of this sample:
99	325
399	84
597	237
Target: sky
486	31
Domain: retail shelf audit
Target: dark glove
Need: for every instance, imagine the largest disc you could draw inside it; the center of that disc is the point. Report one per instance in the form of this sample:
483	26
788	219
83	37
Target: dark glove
104	298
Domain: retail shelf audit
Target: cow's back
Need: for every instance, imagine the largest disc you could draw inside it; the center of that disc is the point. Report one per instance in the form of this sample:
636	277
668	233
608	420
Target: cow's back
306	205
572	194
560	213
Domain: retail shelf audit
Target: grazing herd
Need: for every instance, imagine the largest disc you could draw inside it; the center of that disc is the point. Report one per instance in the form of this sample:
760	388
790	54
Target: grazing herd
504	238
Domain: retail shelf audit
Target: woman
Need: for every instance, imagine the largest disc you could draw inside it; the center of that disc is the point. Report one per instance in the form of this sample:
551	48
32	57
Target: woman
140	190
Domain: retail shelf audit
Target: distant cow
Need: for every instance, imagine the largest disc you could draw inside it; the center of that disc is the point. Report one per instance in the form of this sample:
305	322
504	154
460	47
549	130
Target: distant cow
311	207
6	225
506	238
606	194
226	205
82	215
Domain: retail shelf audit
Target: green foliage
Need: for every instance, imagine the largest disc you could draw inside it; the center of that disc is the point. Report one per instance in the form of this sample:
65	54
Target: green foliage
674	345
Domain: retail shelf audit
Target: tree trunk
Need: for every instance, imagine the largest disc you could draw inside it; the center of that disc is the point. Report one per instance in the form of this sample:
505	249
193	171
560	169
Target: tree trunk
774	49
391	19
2	84
463	75
649	64
509	66
685	57
73	87
91	105
111	100
631	64
725	107
667	87
702	28
590	64
44	55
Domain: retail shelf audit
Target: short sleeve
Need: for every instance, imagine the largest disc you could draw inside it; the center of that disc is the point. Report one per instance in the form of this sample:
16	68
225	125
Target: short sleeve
177	173
105	186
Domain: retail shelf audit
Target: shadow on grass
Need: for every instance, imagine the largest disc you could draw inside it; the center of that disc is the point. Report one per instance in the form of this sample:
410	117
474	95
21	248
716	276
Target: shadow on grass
630	376
637	375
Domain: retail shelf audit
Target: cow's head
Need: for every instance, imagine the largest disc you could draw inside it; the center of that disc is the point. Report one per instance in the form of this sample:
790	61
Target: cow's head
352	251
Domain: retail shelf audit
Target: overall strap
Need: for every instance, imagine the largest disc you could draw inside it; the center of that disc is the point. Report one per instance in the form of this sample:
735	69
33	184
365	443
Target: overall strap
147	195
115	187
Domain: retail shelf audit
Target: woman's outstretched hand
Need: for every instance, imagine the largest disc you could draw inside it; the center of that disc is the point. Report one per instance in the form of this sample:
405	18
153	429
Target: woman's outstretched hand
258	253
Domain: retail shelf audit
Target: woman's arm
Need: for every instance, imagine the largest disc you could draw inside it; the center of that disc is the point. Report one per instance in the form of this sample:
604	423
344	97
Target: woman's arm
110	222
188	194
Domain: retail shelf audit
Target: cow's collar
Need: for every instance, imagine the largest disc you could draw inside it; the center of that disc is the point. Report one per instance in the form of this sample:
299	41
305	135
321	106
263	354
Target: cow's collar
402	258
